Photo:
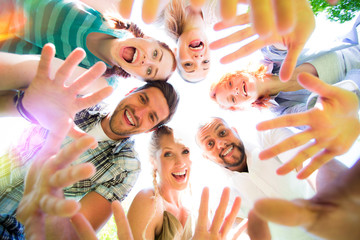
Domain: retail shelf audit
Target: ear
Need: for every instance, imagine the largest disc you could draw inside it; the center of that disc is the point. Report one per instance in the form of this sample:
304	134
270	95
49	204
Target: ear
235	130
175	51
153	163
205	156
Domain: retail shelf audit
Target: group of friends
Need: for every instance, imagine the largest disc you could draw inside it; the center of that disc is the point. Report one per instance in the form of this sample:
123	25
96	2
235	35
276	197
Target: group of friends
76	162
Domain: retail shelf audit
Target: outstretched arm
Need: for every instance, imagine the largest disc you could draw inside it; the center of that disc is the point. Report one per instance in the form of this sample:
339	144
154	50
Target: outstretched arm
333	213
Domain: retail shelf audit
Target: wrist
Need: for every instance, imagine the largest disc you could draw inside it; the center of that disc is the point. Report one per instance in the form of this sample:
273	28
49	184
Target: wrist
18	98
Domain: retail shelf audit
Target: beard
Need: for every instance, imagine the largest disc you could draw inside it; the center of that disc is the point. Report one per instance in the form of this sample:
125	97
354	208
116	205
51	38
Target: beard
116	122
237	160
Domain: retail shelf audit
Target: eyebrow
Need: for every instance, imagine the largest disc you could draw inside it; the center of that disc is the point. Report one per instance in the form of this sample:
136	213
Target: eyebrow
162	54
229	99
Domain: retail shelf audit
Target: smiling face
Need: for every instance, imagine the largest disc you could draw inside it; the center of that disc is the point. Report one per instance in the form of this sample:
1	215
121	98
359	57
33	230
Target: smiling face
144	58
139	112
235	90
193	55
222	145
173	163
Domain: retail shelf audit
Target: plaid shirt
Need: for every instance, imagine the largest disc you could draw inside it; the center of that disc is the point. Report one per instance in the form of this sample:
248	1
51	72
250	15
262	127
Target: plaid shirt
117	166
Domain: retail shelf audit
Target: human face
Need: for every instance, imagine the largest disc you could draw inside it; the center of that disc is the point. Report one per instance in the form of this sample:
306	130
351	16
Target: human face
222	145
173	163
193	55
239	90
139	112
143	58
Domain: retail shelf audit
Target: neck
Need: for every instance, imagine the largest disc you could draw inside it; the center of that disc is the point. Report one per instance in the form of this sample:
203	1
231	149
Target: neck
272	85
171	196
194	20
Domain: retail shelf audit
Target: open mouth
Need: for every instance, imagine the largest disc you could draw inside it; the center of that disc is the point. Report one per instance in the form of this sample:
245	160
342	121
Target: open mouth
196	45
180	176
129	54
244	89
227	150
128	118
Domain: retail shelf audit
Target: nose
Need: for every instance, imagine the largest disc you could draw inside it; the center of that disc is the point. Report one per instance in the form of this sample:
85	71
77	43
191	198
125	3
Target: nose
140	112
180	161
197	55
236	91
220	144
144	60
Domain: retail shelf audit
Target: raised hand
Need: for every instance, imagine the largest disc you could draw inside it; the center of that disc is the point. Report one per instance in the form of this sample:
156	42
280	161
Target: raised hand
219	227
288	22
54	104
48	175
333	126
333	213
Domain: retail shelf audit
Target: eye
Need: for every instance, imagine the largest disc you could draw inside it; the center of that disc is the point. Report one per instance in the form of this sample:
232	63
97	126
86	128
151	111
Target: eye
188	64
185	151
206	61
222	133
148	70
155	53
210	144
230	83
142	99
168	154
152	118
233	100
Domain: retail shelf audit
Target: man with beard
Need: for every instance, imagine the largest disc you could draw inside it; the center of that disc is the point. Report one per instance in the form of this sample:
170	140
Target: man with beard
116	162
247	176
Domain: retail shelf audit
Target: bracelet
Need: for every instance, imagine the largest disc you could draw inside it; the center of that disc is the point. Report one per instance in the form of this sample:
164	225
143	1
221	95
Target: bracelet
20	107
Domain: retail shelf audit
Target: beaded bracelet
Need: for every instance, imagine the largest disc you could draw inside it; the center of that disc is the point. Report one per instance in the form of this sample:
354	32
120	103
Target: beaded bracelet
20	107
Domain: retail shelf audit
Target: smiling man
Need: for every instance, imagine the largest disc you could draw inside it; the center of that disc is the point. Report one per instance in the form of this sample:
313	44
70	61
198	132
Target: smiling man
247	176
115	160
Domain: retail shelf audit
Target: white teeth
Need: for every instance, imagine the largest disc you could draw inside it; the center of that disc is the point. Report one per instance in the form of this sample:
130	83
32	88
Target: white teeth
180	173
135	56
129	118
228	150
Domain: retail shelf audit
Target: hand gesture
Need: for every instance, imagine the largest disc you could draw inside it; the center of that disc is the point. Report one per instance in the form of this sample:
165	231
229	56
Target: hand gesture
219	227
333	124
48	175
288	22
333	213
51	102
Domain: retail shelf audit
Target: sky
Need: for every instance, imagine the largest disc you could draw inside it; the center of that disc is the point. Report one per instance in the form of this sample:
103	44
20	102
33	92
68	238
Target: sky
195	105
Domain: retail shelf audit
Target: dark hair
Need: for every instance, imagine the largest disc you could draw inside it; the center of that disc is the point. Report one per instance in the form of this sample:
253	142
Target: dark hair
155	139
170	94
137	33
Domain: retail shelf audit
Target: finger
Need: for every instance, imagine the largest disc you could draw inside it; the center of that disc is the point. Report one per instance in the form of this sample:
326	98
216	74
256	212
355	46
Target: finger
68	176
150	10
47	55
83	228
243	51
285	15
240	229
125	7
288	120
72	151
58	206
228	9
258	228
220	211
262	17
315	164
284	212
69	65
233	38
294	141
230	218
314	84
94	98
238	20
88	77
203	211
289	63
122	224
75	132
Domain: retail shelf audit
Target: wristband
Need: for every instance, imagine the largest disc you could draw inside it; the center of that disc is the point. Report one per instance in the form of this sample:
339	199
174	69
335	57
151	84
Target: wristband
19	106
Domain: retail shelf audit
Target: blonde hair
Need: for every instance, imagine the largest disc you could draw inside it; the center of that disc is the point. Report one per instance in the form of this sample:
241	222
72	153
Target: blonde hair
173	17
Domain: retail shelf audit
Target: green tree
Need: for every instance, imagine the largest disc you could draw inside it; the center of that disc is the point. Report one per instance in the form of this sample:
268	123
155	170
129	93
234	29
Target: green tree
344	11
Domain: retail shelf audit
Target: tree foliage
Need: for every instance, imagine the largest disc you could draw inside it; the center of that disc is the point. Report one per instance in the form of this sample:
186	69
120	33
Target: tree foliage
344	11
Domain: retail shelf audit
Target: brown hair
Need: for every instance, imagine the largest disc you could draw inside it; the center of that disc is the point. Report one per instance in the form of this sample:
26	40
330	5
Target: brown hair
137	33
260	73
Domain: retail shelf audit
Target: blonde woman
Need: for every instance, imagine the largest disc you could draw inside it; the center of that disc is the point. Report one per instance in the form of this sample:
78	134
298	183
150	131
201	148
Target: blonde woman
159	213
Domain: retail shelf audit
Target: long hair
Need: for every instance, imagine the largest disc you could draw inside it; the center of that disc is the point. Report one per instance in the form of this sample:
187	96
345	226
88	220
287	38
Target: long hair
173	17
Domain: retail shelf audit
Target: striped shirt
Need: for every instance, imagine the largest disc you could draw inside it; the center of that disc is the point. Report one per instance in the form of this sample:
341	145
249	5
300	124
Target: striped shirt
66	24
116	162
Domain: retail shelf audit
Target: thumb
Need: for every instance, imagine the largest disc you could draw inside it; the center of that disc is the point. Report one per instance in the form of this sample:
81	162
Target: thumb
289	63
